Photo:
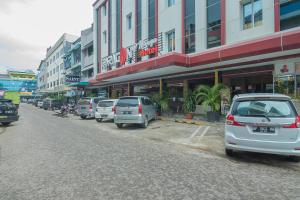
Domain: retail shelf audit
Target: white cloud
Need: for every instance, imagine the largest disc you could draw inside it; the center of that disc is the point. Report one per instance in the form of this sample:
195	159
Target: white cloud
28	27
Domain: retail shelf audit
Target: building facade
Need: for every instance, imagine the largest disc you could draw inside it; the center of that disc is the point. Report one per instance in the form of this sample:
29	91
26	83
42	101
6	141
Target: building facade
146	46
87	54
54	69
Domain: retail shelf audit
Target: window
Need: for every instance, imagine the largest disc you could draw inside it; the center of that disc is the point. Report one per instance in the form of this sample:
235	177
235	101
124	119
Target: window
104	10
171	3
54	71
151	22
171	40
57	69
104	37
138	24
90	51
252	13
51	73
213	11
118	25
57	82
129	21
61	66
189	29
289	14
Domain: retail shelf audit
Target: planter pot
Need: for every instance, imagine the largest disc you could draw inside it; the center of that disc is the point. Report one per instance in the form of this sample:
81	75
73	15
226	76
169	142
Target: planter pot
213	116
189	116
158	113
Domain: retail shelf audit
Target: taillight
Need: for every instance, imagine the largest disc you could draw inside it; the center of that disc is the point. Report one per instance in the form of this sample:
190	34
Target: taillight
91	106
140	109
230	121
113	109
294	125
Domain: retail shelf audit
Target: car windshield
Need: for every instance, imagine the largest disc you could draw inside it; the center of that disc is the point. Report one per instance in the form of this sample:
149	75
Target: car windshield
267	108
5	103
128	102
84	101
105	104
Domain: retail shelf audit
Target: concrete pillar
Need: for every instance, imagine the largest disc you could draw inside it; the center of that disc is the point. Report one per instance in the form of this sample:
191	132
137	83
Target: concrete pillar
160	87
185	88
129	89
216	77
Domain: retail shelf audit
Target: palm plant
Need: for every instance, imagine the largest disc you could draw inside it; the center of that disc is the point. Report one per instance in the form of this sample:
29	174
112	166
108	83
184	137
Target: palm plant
162	102
209	96
189	103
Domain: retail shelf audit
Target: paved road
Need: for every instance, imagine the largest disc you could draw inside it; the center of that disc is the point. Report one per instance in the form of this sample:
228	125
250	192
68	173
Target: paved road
47	157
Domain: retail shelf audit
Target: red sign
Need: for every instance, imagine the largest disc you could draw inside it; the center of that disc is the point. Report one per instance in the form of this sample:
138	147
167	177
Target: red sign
151	50
123	56
284	69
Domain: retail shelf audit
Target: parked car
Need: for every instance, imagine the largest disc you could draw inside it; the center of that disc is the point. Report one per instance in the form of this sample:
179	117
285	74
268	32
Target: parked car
263	123
8	112
52	104
134	110
40	103
87	107
105	110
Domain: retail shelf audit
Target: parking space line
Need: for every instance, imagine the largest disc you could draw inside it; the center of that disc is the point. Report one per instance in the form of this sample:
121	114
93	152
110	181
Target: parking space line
195	132
203	133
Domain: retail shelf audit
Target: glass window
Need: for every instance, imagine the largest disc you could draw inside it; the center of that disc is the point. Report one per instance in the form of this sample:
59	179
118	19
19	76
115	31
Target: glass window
104	37
104	10
264	107
213	23
171	3
189	20
252	14
289	14
128	102
129	21
138	24
171	40
151	19
285	85
118	25
90	50
106	104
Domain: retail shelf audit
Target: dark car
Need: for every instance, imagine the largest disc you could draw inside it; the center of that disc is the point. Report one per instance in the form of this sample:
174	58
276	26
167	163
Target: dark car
52	104
8	112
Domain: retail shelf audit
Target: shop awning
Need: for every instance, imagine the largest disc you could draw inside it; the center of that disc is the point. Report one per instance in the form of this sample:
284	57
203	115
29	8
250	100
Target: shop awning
80	84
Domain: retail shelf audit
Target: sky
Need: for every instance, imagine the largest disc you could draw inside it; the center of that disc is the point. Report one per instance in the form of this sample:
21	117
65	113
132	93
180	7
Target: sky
29	27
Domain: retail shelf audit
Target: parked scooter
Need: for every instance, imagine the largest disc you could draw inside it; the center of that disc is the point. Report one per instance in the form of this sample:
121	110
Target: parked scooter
64	110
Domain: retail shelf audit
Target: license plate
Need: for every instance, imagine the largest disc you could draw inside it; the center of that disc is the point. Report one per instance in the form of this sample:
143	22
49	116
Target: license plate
3	117
127	112
83	108
264	129
103	116
9	111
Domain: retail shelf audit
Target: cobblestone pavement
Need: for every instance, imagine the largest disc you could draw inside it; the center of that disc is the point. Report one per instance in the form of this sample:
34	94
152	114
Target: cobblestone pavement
47	157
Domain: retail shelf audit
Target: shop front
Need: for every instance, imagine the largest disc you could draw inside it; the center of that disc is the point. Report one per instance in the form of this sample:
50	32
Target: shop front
287	78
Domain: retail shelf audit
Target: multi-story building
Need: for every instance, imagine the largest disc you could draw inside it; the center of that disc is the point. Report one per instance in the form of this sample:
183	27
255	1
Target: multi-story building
146	46
41	77
87	54
54	64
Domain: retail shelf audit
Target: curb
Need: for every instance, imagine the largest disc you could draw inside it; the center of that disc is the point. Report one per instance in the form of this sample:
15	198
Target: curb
184	121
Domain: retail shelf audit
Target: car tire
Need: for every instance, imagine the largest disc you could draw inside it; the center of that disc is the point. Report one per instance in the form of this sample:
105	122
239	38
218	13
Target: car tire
98	119
6	123
229	152
83	117
294	158
119	125
146	122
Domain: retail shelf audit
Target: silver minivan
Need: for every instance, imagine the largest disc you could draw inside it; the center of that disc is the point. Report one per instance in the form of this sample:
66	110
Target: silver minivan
105	110
263	123
134	110
87	107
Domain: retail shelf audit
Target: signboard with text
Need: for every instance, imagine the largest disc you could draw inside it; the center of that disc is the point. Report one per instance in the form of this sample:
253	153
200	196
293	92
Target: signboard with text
72	79
129	54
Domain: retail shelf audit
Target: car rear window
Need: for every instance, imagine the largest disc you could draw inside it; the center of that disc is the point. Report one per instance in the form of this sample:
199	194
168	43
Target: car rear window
105	103
128	102
6	103
85	101
269	108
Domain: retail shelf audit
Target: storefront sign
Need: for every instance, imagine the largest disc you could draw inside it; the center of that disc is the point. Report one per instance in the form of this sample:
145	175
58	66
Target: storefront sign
72	79
284	68
140	49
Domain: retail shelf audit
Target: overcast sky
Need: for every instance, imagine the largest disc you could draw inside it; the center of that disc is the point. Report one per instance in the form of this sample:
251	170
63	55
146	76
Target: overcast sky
28	27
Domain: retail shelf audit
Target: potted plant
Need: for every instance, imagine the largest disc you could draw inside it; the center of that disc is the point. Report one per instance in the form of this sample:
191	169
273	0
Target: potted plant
189	105
210	97
161	102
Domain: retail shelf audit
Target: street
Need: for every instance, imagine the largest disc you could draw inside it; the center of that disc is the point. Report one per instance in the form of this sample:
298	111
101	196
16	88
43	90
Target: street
43	156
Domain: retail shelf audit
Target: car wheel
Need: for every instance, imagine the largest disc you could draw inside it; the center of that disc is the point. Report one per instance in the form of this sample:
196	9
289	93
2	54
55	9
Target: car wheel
99	120
119	125
229	152
83	117
6	123
145	124
294	158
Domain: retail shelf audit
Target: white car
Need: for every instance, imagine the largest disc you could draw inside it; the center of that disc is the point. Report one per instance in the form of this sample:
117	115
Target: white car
263	123
105	110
